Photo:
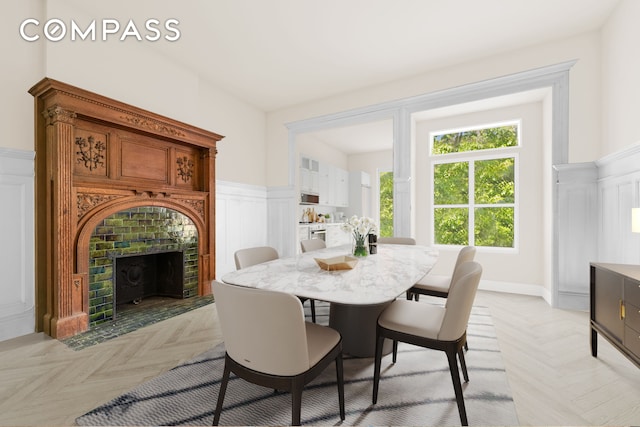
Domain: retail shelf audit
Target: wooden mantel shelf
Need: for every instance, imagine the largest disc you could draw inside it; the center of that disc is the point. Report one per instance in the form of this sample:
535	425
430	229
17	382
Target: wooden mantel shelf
94	157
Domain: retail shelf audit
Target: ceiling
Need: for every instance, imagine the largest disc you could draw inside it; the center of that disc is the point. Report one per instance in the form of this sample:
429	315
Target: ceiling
278	53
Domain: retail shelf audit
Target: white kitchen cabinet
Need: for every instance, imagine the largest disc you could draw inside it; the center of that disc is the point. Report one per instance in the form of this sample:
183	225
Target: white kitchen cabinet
334	185
326	184
309	175
342	188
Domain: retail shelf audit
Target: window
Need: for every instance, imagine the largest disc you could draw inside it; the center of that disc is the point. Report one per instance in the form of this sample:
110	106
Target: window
474	185
386	204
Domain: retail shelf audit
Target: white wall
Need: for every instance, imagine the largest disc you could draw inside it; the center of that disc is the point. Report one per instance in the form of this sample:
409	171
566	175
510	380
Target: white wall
310	146
584	144
621	78
241	212
521	265
373	163
17	299
139	74
22	65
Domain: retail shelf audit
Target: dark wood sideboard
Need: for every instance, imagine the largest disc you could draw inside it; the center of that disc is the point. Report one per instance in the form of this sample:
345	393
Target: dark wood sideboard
615	308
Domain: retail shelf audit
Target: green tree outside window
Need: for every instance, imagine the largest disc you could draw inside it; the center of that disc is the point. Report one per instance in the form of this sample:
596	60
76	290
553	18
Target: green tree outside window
474	200
386	204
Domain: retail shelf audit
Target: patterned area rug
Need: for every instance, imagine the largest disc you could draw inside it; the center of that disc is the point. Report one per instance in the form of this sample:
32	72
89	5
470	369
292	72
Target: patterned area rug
417	390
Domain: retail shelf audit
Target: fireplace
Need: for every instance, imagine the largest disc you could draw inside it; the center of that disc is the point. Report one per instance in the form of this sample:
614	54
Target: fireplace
115	182
137	253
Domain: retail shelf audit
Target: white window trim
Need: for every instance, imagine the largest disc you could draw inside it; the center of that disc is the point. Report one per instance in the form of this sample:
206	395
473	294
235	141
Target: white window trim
471	157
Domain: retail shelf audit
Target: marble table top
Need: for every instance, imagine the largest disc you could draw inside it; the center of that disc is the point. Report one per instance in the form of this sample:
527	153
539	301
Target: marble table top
375	279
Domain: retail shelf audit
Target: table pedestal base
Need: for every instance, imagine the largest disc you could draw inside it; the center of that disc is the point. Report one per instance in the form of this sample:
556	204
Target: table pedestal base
357	325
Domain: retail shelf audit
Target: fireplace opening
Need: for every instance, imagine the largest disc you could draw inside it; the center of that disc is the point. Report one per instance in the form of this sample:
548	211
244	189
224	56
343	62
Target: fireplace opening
143	277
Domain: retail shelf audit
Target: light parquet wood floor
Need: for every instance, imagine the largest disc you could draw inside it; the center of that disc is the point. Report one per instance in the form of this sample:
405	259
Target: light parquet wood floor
553	378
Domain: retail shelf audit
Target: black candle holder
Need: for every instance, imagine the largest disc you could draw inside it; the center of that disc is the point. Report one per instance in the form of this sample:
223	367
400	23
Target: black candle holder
373	244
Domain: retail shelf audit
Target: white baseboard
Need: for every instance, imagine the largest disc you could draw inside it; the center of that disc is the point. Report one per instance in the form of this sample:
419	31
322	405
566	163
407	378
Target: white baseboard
511	288
566	300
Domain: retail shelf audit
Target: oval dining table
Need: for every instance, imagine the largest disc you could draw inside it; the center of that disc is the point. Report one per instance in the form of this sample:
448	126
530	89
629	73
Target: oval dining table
357	296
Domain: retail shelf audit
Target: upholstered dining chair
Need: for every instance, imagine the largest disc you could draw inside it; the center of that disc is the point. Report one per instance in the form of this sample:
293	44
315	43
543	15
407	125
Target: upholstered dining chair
433	326
397	240
251	256
268	343
309	245
438	285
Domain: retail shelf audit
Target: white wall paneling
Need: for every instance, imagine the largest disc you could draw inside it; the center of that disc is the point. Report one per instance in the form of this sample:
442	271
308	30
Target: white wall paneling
17	301
618	192
241	221
283	220
577	235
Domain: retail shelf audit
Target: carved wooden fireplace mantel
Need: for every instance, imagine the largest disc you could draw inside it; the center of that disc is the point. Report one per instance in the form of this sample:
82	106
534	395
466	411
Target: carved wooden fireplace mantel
95	157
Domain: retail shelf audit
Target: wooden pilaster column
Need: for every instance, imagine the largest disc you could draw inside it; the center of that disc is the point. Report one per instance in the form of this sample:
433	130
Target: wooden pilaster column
209	260
63	317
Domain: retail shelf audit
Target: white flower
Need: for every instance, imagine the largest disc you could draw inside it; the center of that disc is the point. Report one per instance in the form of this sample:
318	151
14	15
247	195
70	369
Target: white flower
360	227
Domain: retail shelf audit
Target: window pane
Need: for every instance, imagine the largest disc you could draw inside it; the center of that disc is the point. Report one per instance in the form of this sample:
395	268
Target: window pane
451	183
473	140
386	204
451	226
494	227
495	181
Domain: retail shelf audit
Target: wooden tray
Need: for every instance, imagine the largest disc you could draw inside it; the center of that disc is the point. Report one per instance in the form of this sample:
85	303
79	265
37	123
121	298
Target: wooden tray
343	262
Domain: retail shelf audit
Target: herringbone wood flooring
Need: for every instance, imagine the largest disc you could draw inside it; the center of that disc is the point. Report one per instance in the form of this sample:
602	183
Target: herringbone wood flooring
553	378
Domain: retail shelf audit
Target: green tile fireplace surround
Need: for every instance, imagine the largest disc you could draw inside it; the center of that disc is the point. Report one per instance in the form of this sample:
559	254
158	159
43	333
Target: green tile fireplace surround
137	231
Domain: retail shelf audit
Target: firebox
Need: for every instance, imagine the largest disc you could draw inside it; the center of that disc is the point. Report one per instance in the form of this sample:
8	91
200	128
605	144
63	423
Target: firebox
143	276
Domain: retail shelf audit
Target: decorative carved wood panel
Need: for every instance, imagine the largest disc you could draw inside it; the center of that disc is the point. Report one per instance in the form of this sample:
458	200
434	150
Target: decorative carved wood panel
94	157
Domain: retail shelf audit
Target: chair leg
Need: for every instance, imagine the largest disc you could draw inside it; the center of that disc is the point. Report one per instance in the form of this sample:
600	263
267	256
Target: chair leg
376	369
457	385
313	310
221	393
463	365
296	401
340	375
395	350
409	296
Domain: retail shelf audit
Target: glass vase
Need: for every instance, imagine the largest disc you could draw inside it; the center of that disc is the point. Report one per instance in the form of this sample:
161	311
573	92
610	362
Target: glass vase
360	250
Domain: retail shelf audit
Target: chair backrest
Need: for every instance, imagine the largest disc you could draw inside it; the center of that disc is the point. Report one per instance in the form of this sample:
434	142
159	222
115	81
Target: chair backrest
397	240
462	292
466	254
262	330
312	245
251	256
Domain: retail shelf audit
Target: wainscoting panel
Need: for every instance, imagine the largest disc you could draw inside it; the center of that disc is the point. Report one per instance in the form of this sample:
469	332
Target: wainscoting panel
283	220
17	287
241	221
618	193
577	236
